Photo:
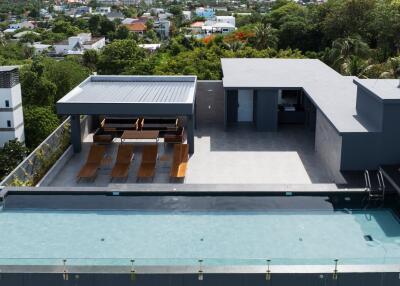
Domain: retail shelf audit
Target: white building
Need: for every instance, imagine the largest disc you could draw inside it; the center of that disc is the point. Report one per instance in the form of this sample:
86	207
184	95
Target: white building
40	48
11	115
162	28
23	34
109	2
150	47
226	19
103	10
214	27
77	45
128	21
187	15
24	24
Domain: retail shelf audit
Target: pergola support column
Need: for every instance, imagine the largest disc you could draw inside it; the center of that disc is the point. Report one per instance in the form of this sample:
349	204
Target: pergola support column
76	133
190	133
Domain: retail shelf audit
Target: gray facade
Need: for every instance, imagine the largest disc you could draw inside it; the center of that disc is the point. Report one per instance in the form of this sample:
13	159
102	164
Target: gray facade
209	279
355	121
209	102
328	144
265	110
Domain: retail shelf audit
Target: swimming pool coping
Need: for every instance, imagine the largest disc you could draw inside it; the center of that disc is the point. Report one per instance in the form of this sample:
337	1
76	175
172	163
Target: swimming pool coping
191	189
165	269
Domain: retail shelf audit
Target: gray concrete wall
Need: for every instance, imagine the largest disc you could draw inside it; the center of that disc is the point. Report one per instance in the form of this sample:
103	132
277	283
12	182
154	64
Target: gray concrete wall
56	169
360	151
267	110
240	279
390	144
210	102
328	144
369	108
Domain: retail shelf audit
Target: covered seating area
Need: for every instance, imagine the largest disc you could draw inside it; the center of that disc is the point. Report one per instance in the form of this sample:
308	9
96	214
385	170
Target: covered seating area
127	109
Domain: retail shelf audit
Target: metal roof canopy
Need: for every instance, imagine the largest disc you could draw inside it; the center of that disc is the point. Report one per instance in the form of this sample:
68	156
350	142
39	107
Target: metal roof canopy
131	95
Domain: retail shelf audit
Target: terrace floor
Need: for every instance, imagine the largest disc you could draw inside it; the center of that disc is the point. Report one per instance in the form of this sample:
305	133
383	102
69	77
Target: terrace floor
240	156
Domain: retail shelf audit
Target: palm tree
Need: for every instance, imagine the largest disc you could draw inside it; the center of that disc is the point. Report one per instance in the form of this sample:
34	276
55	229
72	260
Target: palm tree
356	66
265	36
235	45
344	50
393	68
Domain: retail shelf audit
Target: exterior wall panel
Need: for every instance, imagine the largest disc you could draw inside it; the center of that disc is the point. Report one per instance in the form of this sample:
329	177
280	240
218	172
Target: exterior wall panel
369	108
210	102
267	110
360	151
328	144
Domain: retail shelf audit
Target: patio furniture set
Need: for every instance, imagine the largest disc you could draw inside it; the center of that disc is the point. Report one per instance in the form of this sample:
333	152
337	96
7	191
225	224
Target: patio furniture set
139	128
136	128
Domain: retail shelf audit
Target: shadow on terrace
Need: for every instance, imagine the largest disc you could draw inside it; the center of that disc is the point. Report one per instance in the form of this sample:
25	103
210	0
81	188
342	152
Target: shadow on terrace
240	157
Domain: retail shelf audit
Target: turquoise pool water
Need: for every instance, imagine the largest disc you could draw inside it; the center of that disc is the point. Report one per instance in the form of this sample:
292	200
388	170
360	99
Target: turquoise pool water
229	238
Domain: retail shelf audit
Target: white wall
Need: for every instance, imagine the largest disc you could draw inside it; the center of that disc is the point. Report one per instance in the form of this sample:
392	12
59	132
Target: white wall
60	49
13	113
13	95
226	19
96	46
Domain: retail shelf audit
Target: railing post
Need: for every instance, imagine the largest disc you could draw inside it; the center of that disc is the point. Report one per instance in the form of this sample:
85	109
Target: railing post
201	273
335	271
133	271
268	273
65	273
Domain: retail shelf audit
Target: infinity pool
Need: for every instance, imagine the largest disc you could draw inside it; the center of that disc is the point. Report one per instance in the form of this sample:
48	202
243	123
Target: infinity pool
229	238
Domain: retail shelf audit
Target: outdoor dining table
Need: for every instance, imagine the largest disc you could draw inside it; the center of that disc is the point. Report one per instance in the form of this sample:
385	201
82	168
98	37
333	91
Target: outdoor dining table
135	134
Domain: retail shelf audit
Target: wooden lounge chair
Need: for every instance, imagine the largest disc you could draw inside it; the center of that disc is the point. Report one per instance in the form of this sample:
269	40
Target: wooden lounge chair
93	162
179	161
148	163
123	161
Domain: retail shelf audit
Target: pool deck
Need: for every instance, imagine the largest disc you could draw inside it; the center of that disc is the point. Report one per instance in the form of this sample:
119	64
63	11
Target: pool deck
242	157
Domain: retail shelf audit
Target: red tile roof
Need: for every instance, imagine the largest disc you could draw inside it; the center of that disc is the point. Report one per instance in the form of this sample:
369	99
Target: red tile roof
137	27
197	24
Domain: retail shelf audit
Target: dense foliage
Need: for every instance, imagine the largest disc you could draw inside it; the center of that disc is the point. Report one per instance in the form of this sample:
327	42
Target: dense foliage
44	81
11	155
39	123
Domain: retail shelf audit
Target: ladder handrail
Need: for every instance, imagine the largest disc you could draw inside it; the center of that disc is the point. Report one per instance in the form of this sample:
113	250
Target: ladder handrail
367	181
381	182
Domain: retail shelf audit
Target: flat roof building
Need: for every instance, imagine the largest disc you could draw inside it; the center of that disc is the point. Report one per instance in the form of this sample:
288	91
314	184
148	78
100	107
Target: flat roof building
354	120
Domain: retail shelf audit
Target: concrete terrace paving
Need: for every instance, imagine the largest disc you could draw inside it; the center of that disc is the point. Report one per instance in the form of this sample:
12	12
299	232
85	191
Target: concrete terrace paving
242	156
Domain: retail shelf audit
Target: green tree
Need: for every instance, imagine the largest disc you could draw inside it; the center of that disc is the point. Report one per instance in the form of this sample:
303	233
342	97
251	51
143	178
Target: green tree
348	18
392	69
90	59
345	50
119	56
65	27
12	153
65	75
265	36
39	123
121	33
386	27
94	24
36	89
106	26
